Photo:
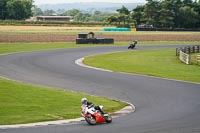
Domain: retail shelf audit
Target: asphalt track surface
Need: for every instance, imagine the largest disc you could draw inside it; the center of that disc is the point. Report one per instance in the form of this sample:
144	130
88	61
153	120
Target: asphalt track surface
162	106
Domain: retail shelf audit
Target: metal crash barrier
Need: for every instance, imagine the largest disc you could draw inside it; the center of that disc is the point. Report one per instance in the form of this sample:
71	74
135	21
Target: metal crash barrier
89	38
184	53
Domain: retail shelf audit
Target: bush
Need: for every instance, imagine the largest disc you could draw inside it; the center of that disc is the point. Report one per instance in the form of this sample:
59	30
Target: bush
49	23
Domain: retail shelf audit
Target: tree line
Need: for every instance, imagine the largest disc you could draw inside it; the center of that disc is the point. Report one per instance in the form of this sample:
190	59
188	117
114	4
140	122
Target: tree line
155	13
168	14
78	16
160	14
15	9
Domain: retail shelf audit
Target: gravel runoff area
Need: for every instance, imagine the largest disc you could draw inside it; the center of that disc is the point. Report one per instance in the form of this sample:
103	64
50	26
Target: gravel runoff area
64	37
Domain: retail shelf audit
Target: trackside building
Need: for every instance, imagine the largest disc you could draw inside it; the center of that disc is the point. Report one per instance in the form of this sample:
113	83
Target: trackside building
55	18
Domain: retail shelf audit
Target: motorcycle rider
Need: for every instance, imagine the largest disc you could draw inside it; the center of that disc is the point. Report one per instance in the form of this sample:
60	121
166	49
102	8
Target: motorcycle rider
87	104
133	44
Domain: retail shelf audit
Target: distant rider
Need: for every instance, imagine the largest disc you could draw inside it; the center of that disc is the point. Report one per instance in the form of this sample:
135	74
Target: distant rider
133	44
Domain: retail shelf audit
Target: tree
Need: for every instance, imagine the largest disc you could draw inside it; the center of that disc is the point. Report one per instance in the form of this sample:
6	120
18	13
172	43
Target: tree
177	4
151	12
124	16
16	9
196	6
28	5
166	14
49	12
138	15
112	19
169	13
37	11
82	17
187	2
189	17
3	10
72	12
19	9
123	10
97	16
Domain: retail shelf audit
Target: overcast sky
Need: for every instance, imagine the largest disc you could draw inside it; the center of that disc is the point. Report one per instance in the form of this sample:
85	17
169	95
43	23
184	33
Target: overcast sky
72	1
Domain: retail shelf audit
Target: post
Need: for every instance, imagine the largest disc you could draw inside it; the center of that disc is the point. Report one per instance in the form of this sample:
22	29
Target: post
198	59
199	48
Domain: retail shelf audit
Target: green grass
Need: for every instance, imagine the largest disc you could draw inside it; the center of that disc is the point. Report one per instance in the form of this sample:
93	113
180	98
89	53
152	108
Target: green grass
149	43
24	103
160	63
22	47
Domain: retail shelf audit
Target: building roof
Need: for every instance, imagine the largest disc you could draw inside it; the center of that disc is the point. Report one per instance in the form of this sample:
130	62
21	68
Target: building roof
54	17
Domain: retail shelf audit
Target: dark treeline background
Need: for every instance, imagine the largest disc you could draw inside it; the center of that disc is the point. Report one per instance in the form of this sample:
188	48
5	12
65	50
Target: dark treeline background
15	9
160	14
153	14
168	14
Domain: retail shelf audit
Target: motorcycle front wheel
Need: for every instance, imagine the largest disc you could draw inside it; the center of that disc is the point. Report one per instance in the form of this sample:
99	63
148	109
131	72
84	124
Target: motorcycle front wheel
108	119
90	120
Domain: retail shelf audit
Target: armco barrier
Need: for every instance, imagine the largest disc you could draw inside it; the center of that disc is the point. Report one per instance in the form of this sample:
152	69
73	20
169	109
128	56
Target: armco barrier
184	53
188	49
117	29
168	29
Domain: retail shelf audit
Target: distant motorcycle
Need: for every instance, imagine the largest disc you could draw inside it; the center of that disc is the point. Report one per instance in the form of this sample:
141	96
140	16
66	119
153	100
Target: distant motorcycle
94	116
132	45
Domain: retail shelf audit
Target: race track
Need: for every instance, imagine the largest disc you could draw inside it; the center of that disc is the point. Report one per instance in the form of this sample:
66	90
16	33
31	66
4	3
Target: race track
162	106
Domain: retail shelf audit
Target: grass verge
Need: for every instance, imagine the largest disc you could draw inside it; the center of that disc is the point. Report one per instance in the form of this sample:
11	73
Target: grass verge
160	63
24	103
22	47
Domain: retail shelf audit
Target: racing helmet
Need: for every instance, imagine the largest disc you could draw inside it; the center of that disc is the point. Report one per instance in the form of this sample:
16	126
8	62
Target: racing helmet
84	100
